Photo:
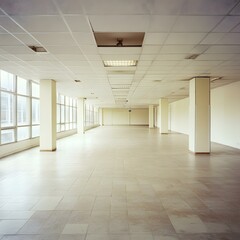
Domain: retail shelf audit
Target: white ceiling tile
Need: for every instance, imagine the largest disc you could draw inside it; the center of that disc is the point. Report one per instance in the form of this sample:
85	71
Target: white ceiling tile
63	49
230	38
154	38
55	39
10	25
196	23
206	7
224	49
17	49
106	7
121	23
227	24
8	40
84	38
89	49
2	30
166	7
26	7
26	39
119	50
154	49
161	23
169	49
41	23
76	63
198	49
35	57
70	6
217	57
78	23
236	10
70	57
212	38
144	63
184	38
169	57
164	63
142	68
147	57
236	29
93	57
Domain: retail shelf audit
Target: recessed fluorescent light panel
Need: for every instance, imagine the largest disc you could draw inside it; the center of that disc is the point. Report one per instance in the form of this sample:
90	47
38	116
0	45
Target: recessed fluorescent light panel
126	63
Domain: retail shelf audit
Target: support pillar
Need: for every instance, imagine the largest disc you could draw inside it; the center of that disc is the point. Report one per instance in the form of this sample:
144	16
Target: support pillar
199	115
48	128
163	116
80	115
151	116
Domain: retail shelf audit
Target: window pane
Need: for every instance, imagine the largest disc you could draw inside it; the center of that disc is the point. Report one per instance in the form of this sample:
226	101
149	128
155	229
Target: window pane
67	126
22	133
70	101
67	101
35	111
62	127
7	109
58	113
7	81
58	127
22	86
7	136
35	131
35	90
62	99
71	114
22	110
67	114
74	103
74	115
62	114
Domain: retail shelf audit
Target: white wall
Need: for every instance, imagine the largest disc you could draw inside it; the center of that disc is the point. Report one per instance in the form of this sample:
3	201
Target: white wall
122	116
179	114
225	115
225	120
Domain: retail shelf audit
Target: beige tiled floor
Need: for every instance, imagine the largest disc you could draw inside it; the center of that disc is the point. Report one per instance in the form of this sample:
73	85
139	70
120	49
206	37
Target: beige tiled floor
126	183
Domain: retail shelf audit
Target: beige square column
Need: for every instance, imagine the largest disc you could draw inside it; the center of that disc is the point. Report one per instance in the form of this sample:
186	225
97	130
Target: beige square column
199	115
48	122
80	115
163	115
151	116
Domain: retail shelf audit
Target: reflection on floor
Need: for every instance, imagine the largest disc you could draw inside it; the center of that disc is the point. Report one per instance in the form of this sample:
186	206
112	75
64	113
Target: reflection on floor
121	183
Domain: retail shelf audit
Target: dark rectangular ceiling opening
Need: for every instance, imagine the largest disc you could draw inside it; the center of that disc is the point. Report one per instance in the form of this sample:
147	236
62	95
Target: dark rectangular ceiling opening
119	39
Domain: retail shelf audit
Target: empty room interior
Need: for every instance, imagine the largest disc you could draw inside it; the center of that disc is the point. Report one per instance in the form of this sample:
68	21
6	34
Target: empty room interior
120	120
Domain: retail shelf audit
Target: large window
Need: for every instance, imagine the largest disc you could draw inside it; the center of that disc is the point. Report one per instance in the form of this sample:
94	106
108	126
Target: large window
91	115
19	108
66	113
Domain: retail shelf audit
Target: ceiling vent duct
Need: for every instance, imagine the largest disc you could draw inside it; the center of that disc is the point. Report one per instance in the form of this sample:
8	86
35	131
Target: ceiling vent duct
192	57
119	39
38	49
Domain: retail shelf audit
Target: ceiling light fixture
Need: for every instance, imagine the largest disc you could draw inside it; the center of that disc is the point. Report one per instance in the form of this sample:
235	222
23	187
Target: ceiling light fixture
38	49
124	63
